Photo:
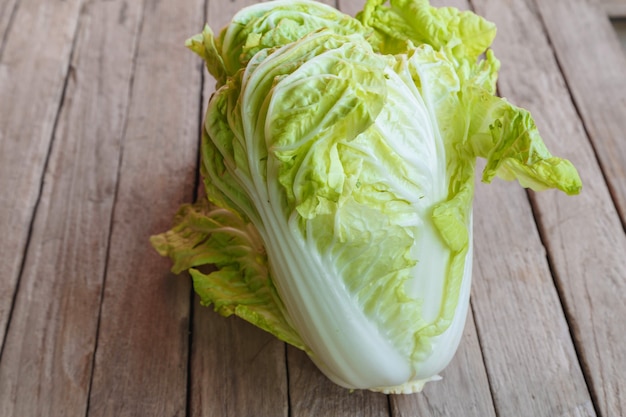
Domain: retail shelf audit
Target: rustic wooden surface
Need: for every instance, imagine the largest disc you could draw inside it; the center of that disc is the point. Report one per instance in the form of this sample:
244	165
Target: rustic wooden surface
100	111
614	8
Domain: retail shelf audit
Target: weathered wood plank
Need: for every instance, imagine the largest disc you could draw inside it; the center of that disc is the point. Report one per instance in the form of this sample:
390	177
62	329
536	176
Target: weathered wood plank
620	28
142	353
594	65
586	244
573	228
351	7
459	4
51	339
585	240
236	368
531	362
312	394
8	9
614	8
586	250
32	79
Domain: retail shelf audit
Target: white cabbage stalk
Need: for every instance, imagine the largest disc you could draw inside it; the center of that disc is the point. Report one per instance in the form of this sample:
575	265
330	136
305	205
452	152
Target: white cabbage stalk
338	159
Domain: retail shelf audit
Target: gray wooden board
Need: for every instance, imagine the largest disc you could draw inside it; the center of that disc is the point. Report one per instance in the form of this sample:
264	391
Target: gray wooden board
587	243
142	349
582	234
8	9
32	75
312	394
236	368
50	344
613	8
589	54
531	361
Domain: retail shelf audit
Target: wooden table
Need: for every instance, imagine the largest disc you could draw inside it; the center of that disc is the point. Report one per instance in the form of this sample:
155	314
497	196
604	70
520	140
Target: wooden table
100	110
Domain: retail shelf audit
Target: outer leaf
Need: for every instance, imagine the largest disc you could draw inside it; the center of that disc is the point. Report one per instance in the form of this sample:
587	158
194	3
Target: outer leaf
240	284
274	24
204	45
507	137
465	34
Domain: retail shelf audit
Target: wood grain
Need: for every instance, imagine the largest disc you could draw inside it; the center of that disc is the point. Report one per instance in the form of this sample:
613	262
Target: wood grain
7	12
614	8
237	370
459	4
32	77
594	65
590	276
312	394
350	7
531	361
142	350
50	345
567	223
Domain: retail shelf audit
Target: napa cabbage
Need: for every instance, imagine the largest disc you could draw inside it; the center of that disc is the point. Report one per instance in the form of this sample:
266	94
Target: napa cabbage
338	158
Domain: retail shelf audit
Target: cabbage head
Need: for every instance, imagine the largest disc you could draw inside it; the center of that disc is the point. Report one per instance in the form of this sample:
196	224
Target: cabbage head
338	158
